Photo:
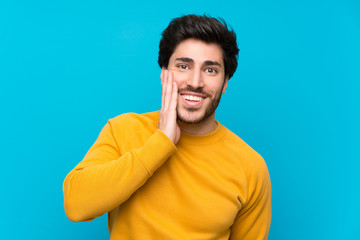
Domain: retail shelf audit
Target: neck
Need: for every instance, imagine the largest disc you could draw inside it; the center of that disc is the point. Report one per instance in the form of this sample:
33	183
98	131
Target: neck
205	127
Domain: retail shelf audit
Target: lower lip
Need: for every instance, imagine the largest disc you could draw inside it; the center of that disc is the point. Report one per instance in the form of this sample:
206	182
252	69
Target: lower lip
192	103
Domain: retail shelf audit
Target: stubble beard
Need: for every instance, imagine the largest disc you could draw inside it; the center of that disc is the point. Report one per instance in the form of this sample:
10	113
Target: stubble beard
208	112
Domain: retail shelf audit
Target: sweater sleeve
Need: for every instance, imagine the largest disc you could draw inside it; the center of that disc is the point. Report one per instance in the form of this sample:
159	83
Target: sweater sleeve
103	179
253	220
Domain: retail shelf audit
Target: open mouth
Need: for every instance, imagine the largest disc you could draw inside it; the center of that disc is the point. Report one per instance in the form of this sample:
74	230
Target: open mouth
192	99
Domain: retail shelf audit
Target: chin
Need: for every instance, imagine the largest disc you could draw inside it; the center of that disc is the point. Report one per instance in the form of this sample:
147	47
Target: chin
191	116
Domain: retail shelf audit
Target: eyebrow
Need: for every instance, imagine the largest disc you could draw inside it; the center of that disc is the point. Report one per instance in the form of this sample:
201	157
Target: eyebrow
185	59
206	63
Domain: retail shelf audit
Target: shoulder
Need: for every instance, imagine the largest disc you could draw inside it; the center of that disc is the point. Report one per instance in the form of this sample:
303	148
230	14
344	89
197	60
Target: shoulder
239	146
249	160
131	130
135	120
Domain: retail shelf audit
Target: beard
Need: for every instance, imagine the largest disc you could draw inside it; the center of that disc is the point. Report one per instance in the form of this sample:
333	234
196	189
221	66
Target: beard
208	111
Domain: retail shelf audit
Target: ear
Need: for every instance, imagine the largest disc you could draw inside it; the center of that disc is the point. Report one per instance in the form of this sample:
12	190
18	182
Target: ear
225	84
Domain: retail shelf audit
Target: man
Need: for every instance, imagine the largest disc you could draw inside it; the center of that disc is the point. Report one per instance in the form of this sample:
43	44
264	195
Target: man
177	173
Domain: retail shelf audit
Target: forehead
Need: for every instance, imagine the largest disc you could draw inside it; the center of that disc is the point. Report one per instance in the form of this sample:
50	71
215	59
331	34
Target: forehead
198	50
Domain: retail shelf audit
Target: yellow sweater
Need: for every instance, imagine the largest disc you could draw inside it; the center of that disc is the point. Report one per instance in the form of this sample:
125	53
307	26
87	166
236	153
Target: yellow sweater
210	186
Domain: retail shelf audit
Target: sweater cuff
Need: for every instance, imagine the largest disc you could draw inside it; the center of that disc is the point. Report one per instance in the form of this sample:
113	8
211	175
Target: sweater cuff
156	150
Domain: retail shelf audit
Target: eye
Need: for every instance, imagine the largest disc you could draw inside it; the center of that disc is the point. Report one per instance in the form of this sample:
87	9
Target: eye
183	67
211	70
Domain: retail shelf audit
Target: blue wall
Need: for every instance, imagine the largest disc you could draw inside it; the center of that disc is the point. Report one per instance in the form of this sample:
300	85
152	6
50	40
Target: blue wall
68	66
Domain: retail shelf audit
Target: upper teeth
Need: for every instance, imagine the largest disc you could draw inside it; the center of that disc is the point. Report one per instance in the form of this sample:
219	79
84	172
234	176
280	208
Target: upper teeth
192	98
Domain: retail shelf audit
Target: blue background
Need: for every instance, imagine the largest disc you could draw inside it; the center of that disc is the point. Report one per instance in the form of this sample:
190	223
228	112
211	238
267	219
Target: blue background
68	66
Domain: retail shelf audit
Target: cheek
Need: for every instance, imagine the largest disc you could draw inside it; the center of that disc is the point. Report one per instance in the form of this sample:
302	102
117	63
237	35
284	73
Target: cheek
180	78
214	89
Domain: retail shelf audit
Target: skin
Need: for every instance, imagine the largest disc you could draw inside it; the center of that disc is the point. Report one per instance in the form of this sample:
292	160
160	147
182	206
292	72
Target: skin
195	68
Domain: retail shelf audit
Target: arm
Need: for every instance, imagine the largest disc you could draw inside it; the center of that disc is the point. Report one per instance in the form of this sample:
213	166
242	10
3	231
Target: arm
253	220
104	179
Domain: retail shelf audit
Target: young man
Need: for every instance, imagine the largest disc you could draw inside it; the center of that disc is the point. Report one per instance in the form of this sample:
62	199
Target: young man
177	173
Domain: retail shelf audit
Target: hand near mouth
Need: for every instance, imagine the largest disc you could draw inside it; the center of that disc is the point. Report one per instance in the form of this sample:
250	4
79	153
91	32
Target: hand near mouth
168	115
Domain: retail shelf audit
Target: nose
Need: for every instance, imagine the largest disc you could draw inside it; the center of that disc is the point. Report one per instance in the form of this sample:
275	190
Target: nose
195	79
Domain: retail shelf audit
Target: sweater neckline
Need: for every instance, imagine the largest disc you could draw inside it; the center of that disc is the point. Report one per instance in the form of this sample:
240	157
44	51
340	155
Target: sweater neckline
205	139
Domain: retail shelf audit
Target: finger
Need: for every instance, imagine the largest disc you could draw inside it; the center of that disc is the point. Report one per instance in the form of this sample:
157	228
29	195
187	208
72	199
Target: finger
162	76
168	90
174	96
165	92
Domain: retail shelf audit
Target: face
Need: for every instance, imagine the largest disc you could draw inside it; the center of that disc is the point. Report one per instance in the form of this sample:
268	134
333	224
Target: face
199	71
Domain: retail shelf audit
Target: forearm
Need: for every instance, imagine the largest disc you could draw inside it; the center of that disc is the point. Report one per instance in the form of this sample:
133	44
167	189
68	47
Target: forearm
91	190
